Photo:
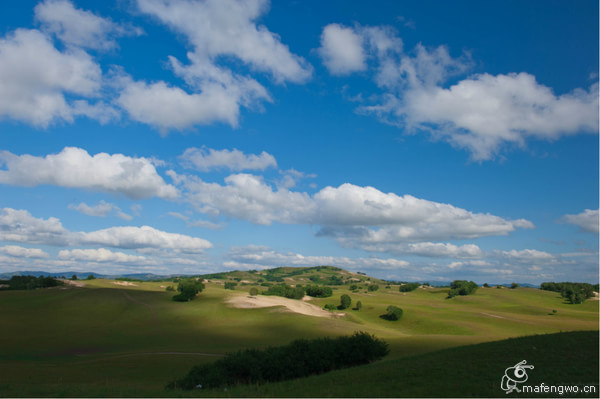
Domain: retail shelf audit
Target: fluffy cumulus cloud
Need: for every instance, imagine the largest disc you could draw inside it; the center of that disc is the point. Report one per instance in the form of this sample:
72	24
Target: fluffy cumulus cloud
21	252
20	226
483	113
81	28
131	237
102	255
36	79
356	216
260	257
216	30
586	220
205	159
135	178
342	50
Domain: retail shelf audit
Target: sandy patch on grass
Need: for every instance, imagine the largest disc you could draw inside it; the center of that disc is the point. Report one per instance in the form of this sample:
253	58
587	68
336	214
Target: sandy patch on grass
291	305
596	297
73	283
126	283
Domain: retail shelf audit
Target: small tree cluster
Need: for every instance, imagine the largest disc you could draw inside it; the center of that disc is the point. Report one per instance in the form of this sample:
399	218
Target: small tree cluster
574	293
188	289
230	285
318	291
408	287
373	287
30	282
300	358
286	291
393	313
461	287
514	285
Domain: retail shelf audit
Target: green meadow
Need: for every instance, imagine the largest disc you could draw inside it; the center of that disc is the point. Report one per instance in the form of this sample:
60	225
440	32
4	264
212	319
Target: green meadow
112	340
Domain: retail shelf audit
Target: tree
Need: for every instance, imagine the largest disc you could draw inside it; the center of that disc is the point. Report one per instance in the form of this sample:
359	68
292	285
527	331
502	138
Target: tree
461	287
74	277
514	285
188	288
393	313
91	277
358	305
318	291
345	302
230	285
486	285
373	287
408	287
253	291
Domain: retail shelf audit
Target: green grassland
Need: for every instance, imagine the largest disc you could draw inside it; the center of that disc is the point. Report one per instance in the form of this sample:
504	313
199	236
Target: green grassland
112	340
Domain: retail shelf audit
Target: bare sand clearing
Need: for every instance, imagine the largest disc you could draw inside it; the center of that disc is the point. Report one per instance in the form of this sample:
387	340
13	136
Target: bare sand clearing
291	305
126	283
74	283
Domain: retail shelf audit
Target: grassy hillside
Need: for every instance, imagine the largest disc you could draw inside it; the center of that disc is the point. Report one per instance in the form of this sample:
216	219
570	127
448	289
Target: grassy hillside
128	340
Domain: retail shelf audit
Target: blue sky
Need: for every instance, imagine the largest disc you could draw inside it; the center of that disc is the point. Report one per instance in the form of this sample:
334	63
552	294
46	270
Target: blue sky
409	140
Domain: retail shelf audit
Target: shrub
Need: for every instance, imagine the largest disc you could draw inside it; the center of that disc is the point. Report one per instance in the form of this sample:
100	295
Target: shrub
358	305
318	291
461	287
300	358
188	289
353	287
514	285
330	306
345	302
486	285
253	291
409	287
91	277
393	313
373	287
230	285
170	288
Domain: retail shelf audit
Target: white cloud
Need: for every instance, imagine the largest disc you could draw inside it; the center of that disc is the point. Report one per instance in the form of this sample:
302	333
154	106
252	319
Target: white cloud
73	167
586	220
247	197
205	159
259	257
130	237
356	216
102	255
227	28
216	30
102	209
21	226
168	107
79	27
342	50
21	252
35	79
482	113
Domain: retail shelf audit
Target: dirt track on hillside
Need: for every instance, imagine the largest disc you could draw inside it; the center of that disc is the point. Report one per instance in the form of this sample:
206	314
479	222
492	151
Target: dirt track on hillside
291	305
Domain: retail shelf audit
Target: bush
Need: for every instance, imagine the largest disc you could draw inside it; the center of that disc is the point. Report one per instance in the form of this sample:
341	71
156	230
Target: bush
188	289
486	285
286	291
330	306
514	285
353	287
345	302
409	287
393	313
461	287
300	358
253	291
91	277
358	305
373	287
230	285
170	288
318	291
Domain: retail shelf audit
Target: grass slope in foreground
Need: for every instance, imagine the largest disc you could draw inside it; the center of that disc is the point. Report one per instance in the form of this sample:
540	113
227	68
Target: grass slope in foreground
107	339
568	359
